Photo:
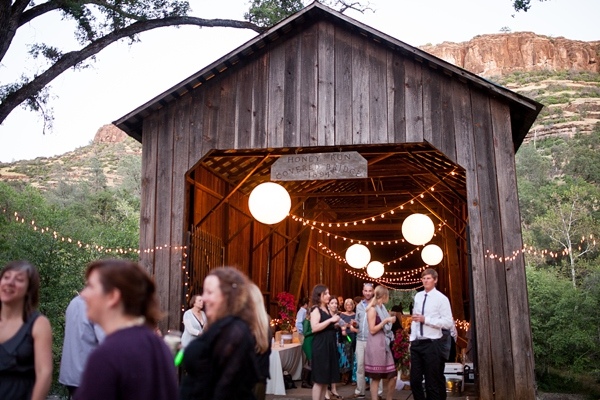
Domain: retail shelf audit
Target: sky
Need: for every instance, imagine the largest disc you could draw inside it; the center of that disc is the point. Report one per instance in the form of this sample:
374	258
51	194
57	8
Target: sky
124	77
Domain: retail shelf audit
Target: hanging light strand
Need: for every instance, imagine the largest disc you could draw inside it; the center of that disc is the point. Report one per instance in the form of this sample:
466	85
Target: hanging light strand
90	246
372	218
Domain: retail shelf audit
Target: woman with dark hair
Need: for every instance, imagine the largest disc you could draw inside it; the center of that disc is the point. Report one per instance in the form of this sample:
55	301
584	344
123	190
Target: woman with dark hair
25	335
194	320
325	362
132	362
222	362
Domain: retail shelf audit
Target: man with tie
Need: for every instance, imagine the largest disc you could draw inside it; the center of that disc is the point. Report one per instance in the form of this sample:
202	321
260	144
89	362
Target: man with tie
431	314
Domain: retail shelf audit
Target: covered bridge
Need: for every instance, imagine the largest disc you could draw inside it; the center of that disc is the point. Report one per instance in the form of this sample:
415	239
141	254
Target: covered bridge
435	140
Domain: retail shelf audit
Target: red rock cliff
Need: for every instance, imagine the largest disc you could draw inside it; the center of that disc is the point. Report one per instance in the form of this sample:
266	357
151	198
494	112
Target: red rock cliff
501	54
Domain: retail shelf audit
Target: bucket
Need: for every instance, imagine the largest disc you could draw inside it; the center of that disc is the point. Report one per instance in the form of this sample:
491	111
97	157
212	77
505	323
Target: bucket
453	387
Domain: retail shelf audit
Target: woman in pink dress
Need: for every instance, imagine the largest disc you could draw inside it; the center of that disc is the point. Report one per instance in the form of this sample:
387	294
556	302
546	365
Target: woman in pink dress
379	362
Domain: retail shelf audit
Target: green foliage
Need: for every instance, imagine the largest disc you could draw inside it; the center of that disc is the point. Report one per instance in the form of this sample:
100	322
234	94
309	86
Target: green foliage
558	196
564	322
269	12
105	217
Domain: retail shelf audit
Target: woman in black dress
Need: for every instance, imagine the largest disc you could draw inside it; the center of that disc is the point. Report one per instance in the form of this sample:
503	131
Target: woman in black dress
221	364
325	362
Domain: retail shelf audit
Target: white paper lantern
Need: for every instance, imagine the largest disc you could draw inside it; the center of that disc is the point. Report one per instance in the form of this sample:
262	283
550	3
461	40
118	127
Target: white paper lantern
269	203
432	254
375	269
358	255
418	229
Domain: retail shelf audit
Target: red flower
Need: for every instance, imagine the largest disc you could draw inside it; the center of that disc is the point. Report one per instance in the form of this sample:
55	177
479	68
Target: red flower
401	349
287	309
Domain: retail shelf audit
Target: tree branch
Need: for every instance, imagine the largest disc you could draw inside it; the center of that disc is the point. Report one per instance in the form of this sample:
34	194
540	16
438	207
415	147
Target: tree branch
71	59
9	21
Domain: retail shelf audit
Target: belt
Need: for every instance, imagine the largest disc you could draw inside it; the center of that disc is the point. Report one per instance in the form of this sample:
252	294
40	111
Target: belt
419	341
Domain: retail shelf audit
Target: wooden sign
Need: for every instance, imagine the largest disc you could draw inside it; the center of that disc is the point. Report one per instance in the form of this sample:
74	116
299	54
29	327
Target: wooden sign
319	166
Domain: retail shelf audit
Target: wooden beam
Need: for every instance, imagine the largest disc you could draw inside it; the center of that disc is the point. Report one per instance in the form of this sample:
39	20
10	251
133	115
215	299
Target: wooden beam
300	262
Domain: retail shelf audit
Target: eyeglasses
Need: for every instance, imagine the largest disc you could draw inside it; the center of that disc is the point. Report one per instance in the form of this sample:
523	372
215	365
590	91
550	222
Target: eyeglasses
368	284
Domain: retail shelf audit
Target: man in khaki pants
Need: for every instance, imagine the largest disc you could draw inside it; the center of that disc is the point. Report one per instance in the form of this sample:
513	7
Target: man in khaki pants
361	339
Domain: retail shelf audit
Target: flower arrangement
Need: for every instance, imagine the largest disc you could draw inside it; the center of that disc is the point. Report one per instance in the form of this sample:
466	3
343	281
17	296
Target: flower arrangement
401	350
287	309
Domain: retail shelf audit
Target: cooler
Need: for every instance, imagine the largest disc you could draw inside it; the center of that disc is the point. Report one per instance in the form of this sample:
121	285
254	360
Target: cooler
454	379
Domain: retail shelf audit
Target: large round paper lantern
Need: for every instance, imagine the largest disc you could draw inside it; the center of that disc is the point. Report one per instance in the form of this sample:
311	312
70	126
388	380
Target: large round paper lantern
375	269
269	203
418	229
358	255
432	254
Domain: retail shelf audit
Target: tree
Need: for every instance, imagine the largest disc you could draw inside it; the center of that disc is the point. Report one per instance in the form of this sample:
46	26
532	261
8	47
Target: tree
569	222
522	5
100	23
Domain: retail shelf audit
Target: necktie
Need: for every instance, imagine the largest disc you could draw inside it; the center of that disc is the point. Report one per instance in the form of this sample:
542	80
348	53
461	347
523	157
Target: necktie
423	313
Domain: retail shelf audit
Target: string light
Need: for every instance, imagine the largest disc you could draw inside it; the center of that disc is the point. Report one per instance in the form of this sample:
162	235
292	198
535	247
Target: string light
93	247
374	217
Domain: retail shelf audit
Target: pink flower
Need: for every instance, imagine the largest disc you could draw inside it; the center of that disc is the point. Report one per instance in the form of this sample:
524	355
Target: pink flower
287	308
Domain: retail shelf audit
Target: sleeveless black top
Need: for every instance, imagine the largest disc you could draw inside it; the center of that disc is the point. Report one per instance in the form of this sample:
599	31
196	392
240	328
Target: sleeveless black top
17	366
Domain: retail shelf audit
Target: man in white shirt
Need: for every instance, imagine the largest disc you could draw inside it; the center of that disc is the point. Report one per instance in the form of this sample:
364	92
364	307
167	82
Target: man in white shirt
301	315
431	314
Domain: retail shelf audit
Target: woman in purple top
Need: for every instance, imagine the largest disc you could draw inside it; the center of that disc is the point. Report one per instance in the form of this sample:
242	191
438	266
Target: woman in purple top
133	362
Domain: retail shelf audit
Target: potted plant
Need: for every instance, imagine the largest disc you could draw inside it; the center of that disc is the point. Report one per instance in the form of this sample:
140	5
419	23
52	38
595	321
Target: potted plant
401	353
287	308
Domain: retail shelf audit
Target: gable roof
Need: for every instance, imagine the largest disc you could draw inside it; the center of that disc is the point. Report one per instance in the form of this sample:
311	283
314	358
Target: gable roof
522	109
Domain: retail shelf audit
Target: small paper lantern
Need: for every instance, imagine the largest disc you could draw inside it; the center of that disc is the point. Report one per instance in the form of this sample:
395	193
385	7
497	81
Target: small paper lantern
432	254
418	229
269	203
358	255
375	269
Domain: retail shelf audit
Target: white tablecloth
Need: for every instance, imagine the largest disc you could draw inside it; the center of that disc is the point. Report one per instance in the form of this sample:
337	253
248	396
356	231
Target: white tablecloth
287	358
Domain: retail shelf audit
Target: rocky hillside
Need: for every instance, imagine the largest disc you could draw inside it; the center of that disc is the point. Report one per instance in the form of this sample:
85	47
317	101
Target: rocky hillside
506	53
562	74
110	151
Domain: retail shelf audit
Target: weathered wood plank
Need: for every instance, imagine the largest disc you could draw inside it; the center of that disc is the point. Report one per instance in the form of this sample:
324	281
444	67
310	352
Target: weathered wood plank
196	145
276	93
343	87
210	111
378	96
307	93
396	102
325	89
432	107
227	136
243	126
291	107
455	272
501	350
148	205
413	92
465	154
164	195
180	167
260	98
514	264
447	134
360	90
